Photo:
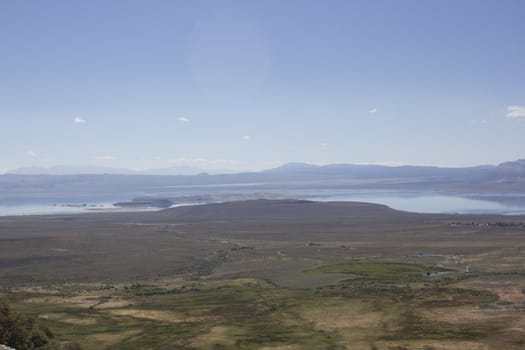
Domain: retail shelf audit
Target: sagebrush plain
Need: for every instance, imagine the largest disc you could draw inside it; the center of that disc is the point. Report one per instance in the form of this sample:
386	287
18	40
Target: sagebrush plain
269	274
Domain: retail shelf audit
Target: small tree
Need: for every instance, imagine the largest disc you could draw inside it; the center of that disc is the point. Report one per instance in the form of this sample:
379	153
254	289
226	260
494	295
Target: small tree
23	333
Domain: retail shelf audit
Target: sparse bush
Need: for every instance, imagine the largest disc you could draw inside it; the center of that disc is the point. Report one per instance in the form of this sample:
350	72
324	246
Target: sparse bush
23	333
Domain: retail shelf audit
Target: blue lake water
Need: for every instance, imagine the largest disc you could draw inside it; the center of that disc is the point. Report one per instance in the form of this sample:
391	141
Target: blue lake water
422	202
28	205
37	209
433	202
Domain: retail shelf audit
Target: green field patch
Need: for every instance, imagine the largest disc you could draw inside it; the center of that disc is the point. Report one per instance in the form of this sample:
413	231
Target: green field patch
378	270
226	314
250	314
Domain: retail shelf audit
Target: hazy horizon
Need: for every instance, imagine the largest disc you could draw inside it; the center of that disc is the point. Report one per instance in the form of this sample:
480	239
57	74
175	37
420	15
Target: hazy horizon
253	85
185	170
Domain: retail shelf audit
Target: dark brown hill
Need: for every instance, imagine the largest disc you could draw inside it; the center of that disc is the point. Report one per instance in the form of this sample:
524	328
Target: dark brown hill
290	210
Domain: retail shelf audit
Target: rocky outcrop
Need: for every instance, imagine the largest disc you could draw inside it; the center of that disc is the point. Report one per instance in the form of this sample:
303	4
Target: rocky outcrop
5	347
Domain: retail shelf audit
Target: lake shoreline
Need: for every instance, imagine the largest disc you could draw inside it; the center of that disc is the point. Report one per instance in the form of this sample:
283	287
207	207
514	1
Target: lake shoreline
427	202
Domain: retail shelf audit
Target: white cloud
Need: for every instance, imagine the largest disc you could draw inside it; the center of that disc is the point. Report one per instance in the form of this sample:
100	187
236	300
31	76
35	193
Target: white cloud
32	154
3	171
105	157
246	137
478	121
79	120
184	120
372	111
323	144
515	112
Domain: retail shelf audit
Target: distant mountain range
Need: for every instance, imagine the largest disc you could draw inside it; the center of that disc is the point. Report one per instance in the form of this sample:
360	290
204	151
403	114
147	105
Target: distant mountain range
368	170
355	170
99	170
508	177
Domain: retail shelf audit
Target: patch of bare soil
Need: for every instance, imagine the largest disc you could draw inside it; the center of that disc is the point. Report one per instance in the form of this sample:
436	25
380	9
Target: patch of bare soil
355	321
159	315
216	335
61	317
108	339
432	344
464	315
88	299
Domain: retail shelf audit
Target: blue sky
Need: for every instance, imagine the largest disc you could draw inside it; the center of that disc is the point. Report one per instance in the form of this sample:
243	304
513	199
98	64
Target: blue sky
253	84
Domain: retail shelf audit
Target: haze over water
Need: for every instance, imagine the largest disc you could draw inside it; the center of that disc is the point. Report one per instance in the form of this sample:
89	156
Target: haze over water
421	202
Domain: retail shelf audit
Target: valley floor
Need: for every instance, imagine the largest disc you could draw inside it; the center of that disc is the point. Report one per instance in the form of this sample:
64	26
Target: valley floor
270	275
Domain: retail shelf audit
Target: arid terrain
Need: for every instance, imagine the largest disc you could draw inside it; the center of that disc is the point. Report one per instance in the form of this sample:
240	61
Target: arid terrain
270	274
